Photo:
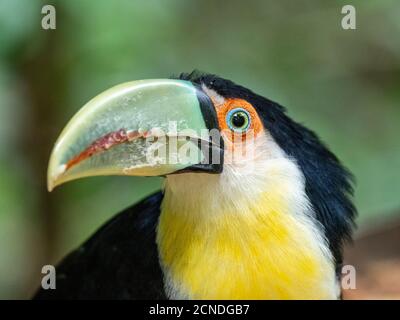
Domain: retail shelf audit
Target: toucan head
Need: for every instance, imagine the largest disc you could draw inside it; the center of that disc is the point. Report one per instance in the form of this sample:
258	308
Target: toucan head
156	128
200	125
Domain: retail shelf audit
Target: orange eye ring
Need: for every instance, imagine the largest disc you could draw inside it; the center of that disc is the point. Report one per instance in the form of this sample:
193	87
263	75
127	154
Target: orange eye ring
225	112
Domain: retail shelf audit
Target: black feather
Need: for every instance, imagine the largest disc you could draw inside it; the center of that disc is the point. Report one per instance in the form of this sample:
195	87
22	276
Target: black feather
120	261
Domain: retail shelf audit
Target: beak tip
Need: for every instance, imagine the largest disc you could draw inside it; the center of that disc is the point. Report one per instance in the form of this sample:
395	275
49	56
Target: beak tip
53	177
50	186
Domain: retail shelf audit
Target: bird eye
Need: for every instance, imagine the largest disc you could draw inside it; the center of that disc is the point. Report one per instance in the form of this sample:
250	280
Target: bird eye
238	119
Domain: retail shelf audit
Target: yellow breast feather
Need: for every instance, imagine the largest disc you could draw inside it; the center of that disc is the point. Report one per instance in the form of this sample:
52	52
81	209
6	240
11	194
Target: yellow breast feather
259	254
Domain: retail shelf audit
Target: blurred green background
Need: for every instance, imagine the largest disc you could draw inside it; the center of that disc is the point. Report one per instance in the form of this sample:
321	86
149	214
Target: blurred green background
344	84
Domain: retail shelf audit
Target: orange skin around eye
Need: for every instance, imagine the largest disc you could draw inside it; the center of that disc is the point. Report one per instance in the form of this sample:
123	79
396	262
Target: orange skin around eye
256	127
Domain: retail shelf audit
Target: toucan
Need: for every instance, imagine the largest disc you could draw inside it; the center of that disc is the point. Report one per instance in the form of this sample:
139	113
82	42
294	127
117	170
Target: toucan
253	205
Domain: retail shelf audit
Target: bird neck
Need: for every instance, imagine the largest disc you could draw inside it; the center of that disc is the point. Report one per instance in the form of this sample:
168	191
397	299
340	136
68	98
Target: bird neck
242	235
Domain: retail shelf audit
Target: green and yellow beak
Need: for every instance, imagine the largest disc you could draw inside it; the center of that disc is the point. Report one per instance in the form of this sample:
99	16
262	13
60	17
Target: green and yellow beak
139	128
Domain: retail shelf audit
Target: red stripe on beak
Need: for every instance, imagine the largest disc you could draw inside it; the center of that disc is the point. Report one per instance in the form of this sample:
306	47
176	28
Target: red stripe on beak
104	143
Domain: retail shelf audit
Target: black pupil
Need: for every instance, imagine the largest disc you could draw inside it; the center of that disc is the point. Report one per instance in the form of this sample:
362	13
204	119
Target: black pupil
238	120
